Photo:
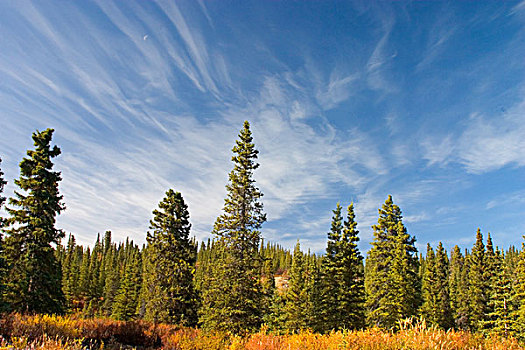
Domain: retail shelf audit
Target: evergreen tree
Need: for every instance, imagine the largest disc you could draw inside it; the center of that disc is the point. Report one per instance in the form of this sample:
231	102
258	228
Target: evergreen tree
428	286
458	284
2	199
391	279
127	297
500	304
478	284
112	282
34	278
233	296
342	275
435	289
169	295
444	316
313	290
68	269
296	298
3	304
518	314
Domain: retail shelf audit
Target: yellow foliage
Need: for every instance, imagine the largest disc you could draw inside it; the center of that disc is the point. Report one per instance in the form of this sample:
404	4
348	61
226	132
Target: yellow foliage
69	333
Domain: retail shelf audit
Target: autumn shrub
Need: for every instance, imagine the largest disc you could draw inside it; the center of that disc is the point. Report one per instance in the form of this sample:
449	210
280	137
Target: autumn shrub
73	333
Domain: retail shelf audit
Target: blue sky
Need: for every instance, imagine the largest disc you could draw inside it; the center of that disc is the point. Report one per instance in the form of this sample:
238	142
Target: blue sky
348	101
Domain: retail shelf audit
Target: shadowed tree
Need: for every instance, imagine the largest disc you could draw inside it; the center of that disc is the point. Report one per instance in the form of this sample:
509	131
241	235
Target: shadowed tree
168	293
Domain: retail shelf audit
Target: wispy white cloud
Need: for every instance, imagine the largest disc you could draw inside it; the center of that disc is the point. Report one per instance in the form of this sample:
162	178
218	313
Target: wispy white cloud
380	59
492	143
438	36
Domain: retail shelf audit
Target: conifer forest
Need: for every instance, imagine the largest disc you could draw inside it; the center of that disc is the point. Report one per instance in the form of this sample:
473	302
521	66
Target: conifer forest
238	290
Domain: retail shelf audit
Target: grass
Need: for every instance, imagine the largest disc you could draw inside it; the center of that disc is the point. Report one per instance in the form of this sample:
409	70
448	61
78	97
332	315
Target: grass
72	333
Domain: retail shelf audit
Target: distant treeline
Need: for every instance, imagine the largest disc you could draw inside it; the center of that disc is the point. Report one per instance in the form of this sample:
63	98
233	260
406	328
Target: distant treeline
236	282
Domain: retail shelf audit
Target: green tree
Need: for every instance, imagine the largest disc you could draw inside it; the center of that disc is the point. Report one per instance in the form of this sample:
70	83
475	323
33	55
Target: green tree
3	305
500	303
342	278
2	199
296	298
428	286
478	284
34	278
127	297
233	294
391	276
169	294
518	314
458	286
435	289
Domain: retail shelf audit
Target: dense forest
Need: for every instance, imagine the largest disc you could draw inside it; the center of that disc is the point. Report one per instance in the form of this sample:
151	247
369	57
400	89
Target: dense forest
236	282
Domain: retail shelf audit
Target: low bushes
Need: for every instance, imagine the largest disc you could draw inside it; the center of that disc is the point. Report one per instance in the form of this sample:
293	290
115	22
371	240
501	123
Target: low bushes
74	333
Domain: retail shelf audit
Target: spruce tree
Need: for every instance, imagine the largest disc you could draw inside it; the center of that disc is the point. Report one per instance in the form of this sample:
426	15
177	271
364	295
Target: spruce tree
518	315
3	304
2	199
169	294
342	278
68	269
34	278
296	298
500	304
127	297
428	287
232	299
478	284
435	289
444	315
391	277
112	282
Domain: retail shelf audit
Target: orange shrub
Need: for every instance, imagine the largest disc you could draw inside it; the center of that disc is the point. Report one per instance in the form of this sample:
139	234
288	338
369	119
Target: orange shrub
72	333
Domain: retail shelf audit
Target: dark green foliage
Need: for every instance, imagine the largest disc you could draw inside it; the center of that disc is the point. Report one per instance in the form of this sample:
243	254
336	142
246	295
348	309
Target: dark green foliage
34	277
478	283
3	304
2	199
297	303
519	297
342	277
458	284
233	292
127	297
435	289
168	293
112	282
391	276
499	319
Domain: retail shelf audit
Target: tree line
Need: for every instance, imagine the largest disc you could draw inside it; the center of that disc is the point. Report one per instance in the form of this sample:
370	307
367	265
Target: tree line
235	282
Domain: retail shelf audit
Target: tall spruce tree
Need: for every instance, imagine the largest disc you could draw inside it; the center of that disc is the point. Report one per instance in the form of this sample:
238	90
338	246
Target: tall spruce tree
169	294
391	277
478	284
342	278
34	279
233	293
